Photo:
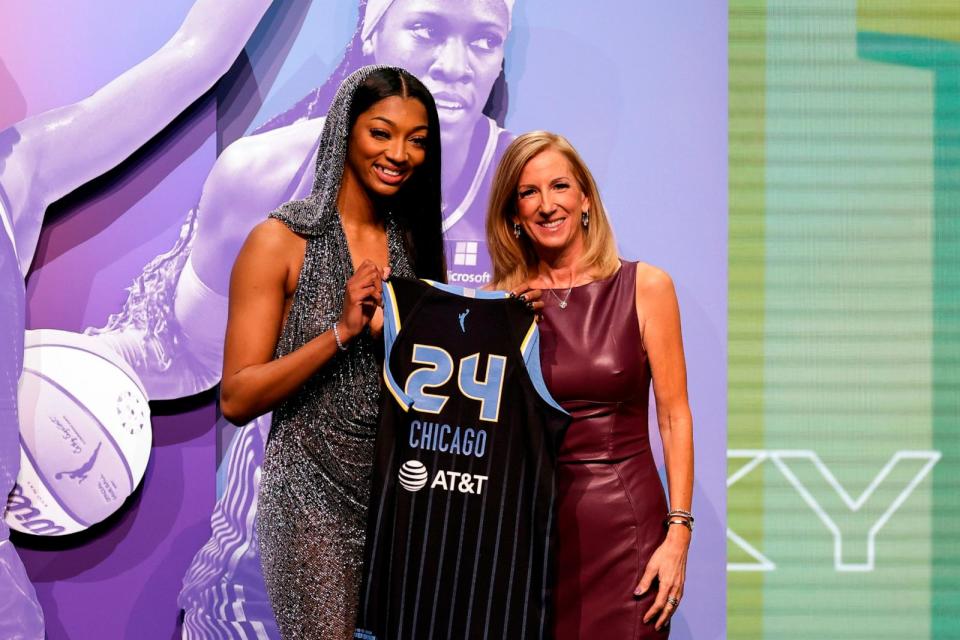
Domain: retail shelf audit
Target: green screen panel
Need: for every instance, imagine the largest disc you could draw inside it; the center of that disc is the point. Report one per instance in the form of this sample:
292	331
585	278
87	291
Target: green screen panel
844	340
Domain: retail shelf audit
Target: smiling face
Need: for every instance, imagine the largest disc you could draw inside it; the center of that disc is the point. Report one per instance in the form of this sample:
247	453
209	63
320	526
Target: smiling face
550	202
387	143
455	48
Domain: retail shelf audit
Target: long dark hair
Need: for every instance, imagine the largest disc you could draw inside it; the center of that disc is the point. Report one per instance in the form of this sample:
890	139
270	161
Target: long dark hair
417	206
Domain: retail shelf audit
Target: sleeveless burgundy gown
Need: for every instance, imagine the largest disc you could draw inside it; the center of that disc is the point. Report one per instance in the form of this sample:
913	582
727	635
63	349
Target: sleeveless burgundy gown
611	505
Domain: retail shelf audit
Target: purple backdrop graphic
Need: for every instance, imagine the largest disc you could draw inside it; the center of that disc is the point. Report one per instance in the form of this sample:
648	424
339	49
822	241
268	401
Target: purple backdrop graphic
156	178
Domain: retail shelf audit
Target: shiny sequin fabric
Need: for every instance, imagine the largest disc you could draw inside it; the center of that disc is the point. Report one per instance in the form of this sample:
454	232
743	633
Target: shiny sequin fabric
315	484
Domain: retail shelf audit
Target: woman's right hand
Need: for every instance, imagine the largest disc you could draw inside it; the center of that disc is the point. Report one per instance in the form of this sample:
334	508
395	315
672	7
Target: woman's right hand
529	296
362	297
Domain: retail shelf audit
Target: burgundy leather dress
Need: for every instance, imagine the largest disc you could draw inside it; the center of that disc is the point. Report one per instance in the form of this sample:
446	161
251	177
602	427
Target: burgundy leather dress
611	505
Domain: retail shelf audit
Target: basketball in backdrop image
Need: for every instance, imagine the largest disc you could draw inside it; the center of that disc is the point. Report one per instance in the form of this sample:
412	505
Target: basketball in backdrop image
84	434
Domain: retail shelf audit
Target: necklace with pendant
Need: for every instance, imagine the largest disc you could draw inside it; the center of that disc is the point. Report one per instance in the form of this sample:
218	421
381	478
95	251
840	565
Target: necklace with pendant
563	300
566	296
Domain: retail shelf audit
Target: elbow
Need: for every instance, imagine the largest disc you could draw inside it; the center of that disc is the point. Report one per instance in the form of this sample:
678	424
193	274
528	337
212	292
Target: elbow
234	417
205	54
233	409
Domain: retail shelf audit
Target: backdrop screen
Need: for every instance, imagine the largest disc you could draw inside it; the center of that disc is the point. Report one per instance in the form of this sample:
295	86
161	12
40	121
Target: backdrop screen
844	333
139	145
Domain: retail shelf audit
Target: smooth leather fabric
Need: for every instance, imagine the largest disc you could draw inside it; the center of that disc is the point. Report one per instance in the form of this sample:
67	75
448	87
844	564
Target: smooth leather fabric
611	504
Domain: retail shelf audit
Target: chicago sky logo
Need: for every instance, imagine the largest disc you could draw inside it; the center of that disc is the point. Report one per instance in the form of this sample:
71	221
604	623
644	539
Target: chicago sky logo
463	318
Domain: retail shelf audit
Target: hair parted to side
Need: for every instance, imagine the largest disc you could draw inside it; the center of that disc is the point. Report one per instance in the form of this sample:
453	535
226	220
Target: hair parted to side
514	259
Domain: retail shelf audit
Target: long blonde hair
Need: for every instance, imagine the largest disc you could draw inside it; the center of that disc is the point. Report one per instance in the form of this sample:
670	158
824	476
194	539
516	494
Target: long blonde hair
514	259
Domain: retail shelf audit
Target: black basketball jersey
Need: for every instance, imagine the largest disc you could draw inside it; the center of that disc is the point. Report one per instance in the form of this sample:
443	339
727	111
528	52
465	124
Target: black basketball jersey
461	520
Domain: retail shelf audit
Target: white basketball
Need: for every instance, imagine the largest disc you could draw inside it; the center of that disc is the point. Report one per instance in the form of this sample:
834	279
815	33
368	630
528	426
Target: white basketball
413	475
84	434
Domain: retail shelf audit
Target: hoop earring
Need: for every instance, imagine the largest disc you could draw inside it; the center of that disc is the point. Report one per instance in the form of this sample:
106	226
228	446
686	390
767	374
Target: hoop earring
585	219
516	230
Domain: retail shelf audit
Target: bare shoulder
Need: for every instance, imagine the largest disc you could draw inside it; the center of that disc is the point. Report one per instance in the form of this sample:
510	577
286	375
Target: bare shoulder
264	164
271	252
273	239
658	311
653	283
266	149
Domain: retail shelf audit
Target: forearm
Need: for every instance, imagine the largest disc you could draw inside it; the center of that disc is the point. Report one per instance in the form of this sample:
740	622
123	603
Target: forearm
140	102
132	108
676	432
257	389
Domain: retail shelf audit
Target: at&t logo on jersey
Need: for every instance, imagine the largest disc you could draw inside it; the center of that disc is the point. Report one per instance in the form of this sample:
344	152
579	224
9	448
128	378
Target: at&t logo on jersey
460	482
413	476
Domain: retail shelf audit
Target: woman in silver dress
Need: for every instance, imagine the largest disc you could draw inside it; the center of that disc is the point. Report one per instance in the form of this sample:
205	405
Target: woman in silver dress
303	316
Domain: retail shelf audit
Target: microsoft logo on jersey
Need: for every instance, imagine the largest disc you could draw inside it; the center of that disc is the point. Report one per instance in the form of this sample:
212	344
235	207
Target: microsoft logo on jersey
413	476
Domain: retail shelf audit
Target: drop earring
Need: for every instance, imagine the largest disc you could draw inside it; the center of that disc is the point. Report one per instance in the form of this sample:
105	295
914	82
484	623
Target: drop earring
516	230
585	219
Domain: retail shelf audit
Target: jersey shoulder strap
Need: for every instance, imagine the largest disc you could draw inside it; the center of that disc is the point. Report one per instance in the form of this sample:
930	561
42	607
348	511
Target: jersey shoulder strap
401	297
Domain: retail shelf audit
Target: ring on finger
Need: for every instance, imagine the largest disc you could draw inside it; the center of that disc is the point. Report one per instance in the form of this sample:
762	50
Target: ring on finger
673	602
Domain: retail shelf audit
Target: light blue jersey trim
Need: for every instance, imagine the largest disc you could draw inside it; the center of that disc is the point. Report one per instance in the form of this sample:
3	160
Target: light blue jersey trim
466	292
531	357
391	327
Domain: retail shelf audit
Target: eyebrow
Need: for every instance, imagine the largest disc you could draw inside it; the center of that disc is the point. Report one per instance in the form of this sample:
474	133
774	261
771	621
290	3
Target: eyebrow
394	124
554	181
493	25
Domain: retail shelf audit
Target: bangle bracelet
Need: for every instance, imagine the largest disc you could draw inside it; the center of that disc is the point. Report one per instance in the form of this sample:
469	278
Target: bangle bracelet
681	514
336	336
688	524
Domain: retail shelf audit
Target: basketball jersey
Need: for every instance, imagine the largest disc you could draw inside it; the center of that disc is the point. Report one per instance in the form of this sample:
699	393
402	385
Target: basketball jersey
460	528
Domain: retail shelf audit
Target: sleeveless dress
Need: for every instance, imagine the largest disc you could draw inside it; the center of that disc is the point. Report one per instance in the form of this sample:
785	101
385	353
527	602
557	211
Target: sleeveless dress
611	504
315	486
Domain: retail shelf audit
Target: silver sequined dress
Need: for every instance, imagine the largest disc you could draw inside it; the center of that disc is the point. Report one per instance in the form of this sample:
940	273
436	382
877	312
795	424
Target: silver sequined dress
316	471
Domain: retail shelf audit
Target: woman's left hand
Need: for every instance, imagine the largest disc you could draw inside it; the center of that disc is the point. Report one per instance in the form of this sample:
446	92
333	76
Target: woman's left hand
668	564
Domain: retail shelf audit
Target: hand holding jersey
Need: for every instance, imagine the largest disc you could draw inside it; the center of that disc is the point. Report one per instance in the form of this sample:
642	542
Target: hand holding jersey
362	299
463	471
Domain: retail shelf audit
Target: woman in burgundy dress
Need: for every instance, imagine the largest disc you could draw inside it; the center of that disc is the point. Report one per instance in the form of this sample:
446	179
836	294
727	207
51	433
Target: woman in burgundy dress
609	327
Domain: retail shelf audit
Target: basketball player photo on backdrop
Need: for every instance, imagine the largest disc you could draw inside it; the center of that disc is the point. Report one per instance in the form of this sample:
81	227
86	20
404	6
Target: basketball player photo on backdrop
132	169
